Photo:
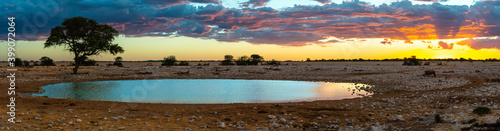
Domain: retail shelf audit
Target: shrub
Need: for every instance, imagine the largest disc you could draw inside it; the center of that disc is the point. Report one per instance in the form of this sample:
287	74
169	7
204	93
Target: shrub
413	61
26	63
118	61
183	63
18	62
481	110
169	61
243	60
273	62
228	57
119	64
46	61
438	118
89	62
227	60
256	59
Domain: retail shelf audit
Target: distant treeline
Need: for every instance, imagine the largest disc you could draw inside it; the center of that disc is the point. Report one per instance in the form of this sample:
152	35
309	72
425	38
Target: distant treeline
404	59
321	60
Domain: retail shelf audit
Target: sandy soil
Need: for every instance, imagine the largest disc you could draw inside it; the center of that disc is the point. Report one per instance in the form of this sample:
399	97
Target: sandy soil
403	98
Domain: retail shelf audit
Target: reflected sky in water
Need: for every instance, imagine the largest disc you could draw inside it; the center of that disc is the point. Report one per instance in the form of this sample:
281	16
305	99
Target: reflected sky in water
199	91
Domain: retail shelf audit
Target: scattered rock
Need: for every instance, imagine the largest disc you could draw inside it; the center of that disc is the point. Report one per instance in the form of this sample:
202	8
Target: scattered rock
222	125
271	116
275	125
282	121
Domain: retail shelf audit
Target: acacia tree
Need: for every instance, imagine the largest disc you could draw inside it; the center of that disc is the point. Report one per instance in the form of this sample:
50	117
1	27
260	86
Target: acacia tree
84	37
227	60
255	59
169	61
118	61
243	60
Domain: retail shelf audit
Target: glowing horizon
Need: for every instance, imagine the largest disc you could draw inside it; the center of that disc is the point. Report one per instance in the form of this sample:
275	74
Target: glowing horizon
193	49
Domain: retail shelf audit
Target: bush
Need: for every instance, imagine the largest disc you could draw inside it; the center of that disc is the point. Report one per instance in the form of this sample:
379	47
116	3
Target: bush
413	61
118	61
438	118
46	61
227	60
119	64
243	60
18	62
89	62
440	63
255	59
169	61
481	110
273	62
183	63
26	63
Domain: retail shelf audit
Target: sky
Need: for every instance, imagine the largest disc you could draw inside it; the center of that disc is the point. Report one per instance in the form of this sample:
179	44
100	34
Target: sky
275	29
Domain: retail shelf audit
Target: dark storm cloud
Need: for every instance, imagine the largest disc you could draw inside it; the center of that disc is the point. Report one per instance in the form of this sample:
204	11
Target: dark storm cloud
293	26
255	3
324	1
176	2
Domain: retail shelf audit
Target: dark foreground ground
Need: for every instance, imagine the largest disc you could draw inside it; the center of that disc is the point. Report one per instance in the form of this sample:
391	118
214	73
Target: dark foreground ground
403	99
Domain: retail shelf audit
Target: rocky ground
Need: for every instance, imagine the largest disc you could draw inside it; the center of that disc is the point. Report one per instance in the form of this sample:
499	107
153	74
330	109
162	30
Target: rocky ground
403	99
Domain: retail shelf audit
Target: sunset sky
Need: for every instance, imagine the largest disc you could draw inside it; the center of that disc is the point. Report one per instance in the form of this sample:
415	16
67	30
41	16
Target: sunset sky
275	29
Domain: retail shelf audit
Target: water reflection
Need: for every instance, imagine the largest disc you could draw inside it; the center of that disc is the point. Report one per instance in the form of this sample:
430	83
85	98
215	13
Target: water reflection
337	91
203	91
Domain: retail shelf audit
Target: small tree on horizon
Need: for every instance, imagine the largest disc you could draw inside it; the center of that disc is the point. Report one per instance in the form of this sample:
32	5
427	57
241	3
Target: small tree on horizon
84	37
118	61
256	59
227	60
169	61
243	60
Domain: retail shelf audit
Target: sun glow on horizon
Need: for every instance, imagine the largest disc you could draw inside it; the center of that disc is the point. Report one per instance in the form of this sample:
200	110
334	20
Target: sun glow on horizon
193	49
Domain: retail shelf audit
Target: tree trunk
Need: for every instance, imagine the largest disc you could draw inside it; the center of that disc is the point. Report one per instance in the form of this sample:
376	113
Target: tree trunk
78	61
75	70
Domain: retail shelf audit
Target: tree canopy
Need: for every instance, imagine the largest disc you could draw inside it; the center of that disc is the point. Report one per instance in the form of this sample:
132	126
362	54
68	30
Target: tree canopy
227	60
255	59
84	37
169	61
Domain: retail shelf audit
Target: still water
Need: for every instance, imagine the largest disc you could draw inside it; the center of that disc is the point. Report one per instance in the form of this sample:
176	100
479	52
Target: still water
204	91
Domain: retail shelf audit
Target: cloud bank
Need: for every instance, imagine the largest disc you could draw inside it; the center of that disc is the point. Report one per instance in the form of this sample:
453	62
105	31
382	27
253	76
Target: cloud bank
255	23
